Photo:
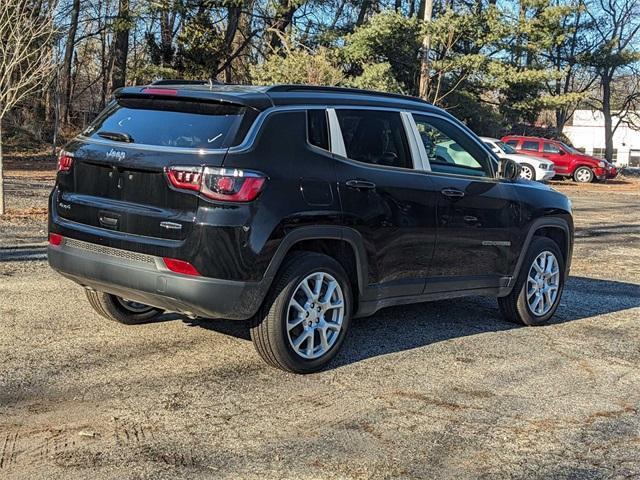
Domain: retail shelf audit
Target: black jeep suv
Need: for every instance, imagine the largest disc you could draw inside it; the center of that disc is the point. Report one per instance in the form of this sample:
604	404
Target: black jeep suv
298	208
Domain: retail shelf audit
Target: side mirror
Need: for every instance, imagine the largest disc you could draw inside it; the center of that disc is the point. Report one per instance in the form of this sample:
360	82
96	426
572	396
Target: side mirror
509	169
561	152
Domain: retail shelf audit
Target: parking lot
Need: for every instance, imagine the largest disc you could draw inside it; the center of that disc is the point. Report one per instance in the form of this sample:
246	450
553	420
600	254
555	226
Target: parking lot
440	390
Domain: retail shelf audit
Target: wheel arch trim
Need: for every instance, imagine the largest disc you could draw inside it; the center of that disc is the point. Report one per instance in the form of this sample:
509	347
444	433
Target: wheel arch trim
537	225
322	232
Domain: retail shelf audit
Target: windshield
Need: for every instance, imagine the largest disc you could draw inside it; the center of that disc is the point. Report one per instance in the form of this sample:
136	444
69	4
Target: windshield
569	149
169	123
506	148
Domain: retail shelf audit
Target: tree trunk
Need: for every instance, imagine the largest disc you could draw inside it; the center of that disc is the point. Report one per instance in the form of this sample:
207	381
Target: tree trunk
67	61
284	17
606	112
2	205
424	57
364	9
121	46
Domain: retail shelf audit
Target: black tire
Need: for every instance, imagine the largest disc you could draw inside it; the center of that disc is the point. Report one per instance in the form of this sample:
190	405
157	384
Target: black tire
525	167
115	309
514	307
269	327
583	175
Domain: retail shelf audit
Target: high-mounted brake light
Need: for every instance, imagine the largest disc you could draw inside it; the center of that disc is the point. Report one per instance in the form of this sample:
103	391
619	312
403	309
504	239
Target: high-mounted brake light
228	185
180	266
160	91
65	161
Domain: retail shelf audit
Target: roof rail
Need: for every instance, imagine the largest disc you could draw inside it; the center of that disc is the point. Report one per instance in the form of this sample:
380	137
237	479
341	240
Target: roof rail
354	91
186	82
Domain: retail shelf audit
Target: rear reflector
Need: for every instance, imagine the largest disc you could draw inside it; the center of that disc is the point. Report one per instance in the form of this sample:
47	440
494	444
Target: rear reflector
55	239
180	266
65	161
160	91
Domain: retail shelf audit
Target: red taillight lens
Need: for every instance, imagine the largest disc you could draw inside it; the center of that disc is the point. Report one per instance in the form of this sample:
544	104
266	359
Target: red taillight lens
180	266
55	239
65	161
188	178
228	185
231	185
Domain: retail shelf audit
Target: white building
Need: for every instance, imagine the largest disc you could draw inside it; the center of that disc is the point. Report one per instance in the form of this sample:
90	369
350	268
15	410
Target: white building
586	133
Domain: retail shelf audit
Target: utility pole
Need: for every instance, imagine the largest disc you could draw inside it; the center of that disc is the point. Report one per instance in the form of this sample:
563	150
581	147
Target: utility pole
424	52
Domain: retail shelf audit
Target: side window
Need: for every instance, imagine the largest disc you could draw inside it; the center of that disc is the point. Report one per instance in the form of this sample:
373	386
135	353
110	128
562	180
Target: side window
513	143
451	150
550	148
530	145
375	137
317	131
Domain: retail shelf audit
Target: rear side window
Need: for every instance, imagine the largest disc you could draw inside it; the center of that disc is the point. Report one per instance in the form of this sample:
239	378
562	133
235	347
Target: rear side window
170	123
375	137
530	145
317	130
550	148
513	143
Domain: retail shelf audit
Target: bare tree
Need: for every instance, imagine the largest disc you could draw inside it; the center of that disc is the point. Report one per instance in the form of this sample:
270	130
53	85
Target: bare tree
25	57
617	35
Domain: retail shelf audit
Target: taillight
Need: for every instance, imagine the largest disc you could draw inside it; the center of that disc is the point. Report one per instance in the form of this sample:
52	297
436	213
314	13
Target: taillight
180	266
230	185
186	178
55	239
65	161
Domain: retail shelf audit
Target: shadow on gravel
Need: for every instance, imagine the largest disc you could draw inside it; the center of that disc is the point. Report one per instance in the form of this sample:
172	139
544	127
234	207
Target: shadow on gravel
404	328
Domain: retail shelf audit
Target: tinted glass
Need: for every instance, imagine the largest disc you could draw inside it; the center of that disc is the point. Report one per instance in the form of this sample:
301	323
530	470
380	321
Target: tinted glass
529	145
170	123
507	147
451	150
512	143
375	137
317	131
550	148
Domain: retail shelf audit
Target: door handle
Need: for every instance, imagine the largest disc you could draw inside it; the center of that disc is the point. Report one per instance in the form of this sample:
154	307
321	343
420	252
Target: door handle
452	193
360	184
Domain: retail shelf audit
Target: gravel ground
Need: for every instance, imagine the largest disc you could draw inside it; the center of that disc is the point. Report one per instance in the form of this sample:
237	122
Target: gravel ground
437	390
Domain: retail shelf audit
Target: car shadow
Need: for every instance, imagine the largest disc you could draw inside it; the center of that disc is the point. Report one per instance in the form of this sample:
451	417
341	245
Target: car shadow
403	328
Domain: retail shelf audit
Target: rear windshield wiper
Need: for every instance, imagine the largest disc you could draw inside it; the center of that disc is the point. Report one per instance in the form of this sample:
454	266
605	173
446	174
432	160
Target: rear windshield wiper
117	136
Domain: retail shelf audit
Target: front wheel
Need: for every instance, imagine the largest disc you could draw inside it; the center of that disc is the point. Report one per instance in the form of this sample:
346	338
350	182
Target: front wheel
305	317
536	294
527	172
583	175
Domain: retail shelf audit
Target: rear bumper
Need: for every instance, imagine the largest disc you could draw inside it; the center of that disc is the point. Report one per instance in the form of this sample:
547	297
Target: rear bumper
145	279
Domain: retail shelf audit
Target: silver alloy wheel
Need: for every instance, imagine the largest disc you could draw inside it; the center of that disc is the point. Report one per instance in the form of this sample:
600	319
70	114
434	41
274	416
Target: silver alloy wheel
526	172
314	315
133	307
583	175
543	283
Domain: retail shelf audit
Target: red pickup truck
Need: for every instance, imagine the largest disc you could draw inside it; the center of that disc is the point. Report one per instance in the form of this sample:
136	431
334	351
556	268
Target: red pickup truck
569	162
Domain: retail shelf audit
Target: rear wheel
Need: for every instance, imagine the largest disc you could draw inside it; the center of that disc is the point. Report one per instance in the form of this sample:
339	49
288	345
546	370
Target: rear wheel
305	317
536	294
121	310
527	172
583	175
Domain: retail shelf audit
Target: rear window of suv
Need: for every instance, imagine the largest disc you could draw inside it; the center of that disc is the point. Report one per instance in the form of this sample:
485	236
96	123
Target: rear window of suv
530	145
170	123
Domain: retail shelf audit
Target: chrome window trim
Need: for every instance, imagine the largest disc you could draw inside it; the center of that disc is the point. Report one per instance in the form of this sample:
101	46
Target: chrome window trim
419	153
336	140
254	130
